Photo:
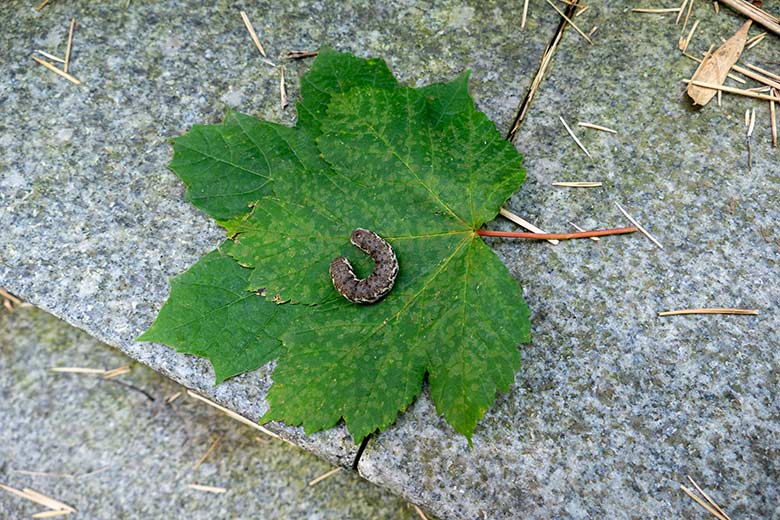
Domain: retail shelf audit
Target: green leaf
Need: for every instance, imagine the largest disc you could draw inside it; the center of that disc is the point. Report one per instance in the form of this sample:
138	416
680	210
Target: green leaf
210	313
461	322
423	169
334	72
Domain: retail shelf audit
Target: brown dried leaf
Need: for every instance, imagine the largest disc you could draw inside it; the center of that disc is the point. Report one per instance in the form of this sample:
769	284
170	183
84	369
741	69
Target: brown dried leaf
715	67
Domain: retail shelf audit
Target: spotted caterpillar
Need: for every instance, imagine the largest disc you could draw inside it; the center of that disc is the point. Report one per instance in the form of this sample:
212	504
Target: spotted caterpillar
379	282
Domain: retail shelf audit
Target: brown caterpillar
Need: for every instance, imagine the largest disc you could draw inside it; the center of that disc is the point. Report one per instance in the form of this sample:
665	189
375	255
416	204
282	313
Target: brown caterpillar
379	282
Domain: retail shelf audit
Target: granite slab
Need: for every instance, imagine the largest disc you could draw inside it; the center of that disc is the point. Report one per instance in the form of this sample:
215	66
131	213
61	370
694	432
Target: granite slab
93	224
110	451
615	406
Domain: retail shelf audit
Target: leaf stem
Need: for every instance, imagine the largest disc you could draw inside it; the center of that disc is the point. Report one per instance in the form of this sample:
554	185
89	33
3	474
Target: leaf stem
556	236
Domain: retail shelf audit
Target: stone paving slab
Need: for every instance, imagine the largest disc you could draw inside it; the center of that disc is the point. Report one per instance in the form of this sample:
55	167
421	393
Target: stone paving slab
92	224
111	452
614	406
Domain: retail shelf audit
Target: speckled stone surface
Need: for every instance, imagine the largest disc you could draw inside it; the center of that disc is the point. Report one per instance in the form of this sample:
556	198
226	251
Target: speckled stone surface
92	223
614	406
111	452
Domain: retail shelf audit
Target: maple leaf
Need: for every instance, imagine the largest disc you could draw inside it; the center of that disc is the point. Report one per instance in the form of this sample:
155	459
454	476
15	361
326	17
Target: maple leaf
422	168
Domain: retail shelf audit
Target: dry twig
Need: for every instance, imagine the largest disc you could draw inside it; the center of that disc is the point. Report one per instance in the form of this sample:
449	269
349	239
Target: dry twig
557	236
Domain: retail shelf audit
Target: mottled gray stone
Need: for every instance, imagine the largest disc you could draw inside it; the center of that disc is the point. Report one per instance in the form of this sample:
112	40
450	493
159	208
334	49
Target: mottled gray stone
112	453
614	406
93	224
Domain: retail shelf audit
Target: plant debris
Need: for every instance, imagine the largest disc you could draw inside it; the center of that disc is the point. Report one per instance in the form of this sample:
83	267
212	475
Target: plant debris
715	67
324	476
713	310
639	227
523	223
754	13
568	20
711	506
255	39
571	133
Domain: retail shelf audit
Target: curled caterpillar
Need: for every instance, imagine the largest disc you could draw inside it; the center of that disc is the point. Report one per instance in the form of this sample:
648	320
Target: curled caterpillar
379	282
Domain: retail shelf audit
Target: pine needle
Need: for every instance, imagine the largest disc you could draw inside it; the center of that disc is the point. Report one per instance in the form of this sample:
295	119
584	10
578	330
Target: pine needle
711	501
52	57
681	11
732	90
657	11
569	21
207	489
575	137
255	39
596	127
232	414
52	514
173	397
713	310
523	223
78	370
578	228
419	512
773	119
702	503
638	226
324	476
525	14
577	184
209	451
57	71
70	42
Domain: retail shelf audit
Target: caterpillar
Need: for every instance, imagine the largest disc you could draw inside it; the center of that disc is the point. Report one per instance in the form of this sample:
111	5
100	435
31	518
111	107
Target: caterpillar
379	282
